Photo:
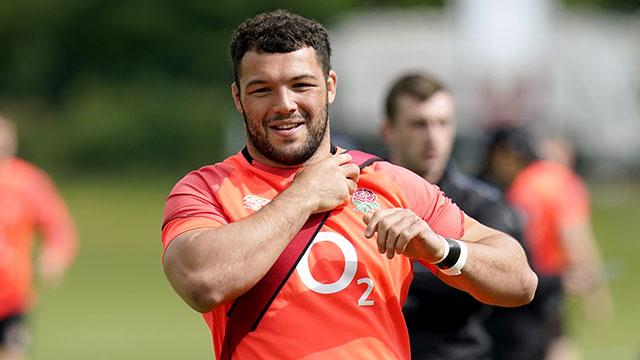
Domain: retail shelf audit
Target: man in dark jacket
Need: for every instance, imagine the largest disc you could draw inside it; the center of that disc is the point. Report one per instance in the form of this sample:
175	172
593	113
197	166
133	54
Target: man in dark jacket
444	323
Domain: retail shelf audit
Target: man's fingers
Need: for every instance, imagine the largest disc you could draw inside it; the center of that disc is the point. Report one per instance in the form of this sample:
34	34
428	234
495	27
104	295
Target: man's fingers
342	158
399	234
395	227
368	232
352	185
351	171
408	234
373	225
382	237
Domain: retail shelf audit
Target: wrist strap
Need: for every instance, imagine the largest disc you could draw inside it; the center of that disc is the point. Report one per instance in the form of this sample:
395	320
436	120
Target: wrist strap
455	257
460	261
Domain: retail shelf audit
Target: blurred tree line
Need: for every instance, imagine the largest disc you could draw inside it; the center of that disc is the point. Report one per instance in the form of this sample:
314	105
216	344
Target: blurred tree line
133	85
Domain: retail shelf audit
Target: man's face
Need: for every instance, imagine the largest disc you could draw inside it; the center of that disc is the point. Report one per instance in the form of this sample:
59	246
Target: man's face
422	135
284	99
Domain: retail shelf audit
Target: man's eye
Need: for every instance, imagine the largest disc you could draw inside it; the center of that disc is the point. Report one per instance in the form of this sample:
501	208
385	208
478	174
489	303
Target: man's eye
303	86
259	91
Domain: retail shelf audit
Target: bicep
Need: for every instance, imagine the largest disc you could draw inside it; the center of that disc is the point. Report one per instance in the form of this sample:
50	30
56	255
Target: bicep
180	252
474	231
180	257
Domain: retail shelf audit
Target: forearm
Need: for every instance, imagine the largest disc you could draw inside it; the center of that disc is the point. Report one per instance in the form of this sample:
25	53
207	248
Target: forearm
494	266
209	267
496	272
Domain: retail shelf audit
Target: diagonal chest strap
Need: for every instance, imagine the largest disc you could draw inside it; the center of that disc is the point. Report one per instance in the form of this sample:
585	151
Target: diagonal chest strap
248	309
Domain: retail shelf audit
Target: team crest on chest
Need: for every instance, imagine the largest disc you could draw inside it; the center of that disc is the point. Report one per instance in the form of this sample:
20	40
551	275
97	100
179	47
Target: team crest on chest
365	200
253	202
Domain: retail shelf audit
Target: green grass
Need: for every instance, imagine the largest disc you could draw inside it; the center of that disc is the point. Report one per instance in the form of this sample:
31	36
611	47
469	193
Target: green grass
616	228
116	303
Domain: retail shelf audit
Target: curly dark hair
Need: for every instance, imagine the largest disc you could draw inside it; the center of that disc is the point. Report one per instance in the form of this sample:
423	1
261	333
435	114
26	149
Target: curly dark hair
420	86
279	31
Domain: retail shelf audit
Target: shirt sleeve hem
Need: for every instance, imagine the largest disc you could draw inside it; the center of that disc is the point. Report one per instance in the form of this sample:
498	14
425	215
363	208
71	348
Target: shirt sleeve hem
181	225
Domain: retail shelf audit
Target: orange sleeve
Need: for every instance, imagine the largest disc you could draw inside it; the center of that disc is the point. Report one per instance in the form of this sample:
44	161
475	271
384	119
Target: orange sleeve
194	196
179	226
192	204
427	201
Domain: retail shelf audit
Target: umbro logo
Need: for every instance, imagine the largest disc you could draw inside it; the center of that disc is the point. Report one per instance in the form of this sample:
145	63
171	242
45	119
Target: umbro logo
253	202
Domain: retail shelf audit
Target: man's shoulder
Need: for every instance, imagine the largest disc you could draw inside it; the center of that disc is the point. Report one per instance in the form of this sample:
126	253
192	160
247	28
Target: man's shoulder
396	173
218	171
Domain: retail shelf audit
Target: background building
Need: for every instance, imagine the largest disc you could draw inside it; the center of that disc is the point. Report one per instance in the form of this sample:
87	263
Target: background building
524	61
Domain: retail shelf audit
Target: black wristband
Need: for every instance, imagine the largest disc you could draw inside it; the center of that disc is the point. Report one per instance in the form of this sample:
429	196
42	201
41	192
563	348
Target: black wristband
452	257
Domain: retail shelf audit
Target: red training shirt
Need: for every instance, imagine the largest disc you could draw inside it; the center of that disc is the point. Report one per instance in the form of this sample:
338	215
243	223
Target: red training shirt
344	300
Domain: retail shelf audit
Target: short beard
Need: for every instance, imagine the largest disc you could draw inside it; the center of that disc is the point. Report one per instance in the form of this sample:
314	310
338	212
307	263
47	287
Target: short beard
305	152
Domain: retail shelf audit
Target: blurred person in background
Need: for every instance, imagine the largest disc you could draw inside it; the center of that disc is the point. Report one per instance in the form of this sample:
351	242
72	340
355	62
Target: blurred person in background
29	203
420	130
558	149
554	204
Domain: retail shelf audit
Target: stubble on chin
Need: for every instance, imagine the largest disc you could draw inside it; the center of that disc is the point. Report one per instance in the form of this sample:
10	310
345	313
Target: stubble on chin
285	156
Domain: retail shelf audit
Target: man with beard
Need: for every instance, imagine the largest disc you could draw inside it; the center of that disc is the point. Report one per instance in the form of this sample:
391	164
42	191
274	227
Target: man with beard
226	225
420	129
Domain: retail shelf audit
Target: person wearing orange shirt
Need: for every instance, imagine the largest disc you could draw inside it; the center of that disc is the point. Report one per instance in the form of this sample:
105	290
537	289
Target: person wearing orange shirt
225	225
29	201
554	203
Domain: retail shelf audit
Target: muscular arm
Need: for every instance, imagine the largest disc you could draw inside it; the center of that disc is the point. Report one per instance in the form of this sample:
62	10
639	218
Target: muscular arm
209	267
496	271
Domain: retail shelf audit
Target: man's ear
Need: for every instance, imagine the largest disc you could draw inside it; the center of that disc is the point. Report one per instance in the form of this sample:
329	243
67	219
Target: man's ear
386	133
332	82
235	92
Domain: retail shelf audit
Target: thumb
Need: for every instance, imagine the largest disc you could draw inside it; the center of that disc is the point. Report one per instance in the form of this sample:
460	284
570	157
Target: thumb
342	158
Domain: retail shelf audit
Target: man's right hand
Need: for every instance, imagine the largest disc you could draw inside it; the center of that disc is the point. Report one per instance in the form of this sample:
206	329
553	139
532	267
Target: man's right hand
212	266
326	184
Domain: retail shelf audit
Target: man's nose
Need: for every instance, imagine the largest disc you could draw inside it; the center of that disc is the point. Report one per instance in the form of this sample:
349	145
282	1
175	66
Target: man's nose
428	133
285	102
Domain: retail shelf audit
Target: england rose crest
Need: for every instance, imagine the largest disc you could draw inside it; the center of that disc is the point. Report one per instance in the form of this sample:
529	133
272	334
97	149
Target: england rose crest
365	200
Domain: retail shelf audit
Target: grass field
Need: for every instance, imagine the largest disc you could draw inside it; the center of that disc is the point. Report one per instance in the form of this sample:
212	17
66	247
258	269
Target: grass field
117	304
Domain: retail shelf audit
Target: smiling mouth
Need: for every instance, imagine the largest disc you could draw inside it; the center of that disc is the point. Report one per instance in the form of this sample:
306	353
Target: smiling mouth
285	126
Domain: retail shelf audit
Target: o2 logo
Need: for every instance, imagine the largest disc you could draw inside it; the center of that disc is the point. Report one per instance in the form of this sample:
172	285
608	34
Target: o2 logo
350	267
